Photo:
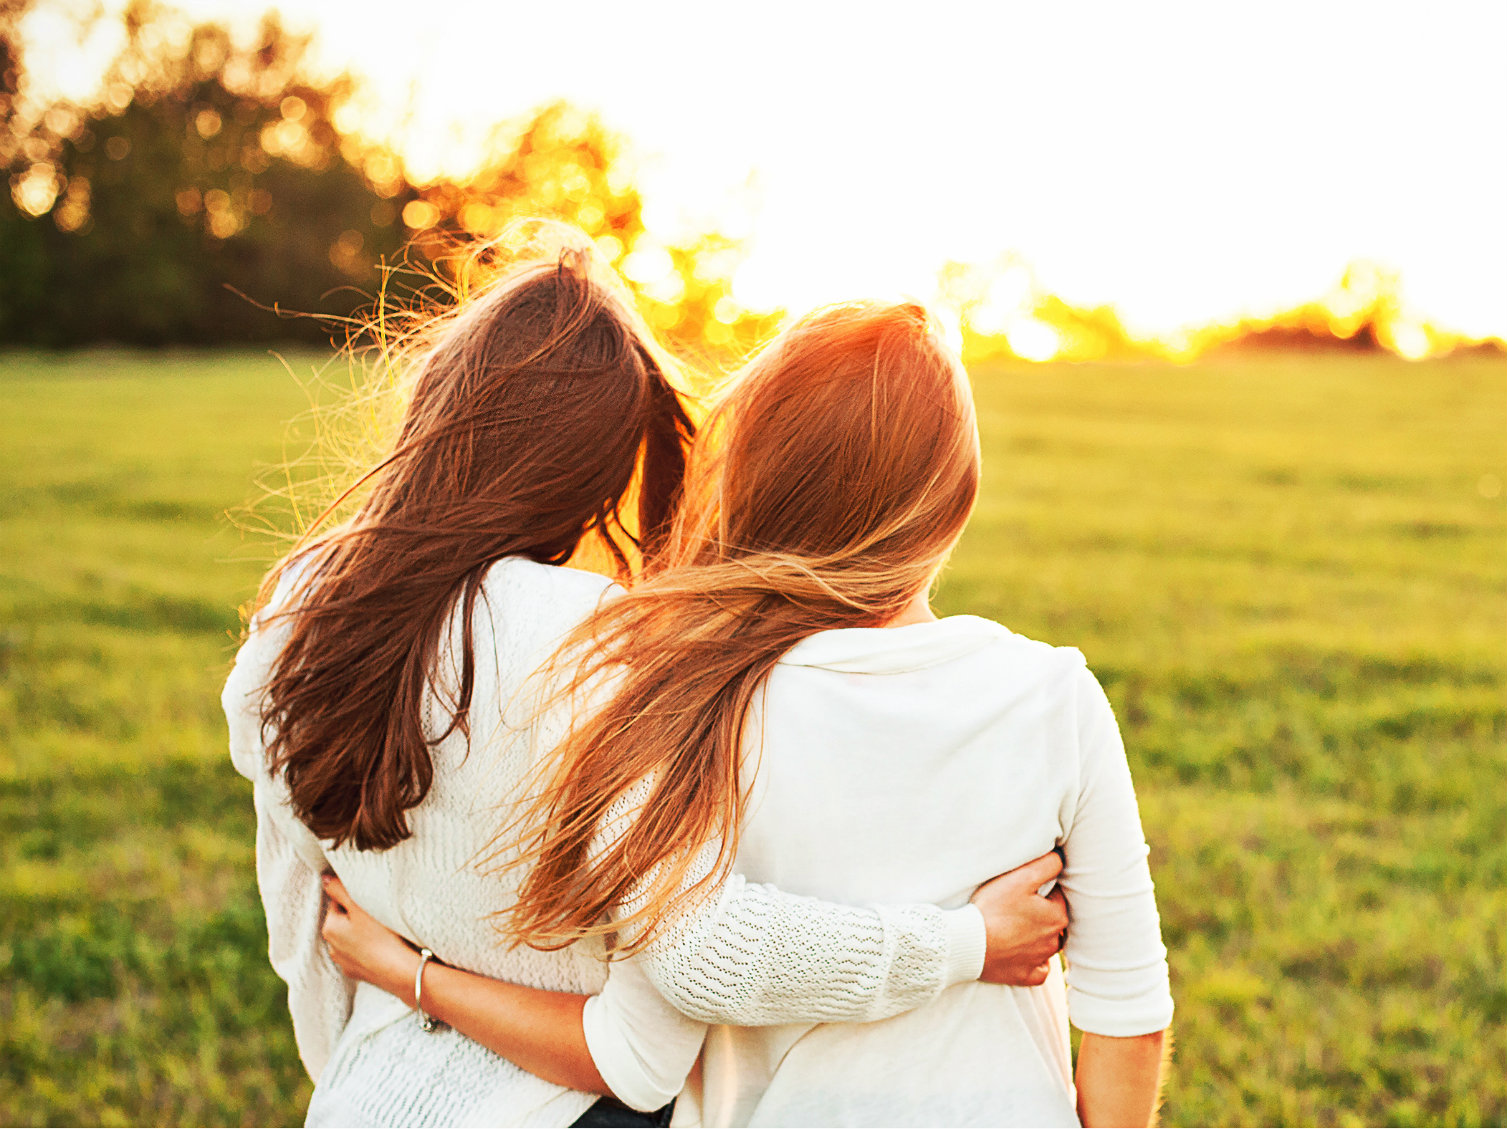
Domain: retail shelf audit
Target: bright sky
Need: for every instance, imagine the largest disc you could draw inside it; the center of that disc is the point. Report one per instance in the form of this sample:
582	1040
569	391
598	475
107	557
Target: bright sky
1185	162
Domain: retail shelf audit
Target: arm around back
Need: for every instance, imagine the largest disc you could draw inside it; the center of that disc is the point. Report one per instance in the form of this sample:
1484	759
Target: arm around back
536	1029
755	955
752	955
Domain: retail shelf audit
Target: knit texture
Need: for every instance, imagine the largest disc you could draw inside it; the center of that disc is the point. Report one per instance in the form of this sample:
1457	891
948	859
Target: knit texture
834	962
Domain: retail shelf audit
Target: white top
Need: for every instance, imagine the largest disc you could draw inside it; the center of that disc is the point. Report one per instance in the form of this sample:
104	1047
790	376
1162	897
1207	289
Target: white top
914	763
753	954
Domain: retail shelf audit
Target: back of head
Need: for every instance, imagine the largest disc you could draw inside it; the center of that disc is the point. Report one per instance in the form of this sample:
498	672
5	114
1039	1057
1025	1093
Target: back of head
848	451
527	418
536	407
827	489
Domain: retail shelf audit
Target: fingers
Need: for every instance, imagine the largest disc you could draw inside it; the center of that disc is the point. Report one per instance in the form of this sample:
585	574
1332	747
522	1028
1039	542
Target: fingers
1059	902
333	886
333	928
334	890
1023	880
336	927
1038	975
1038	872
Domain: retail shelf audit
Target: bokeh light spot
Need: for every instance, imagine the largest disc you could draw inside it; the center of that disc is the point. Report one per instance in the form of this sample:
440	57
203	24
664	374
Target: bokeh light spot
419	214
648	264
207	123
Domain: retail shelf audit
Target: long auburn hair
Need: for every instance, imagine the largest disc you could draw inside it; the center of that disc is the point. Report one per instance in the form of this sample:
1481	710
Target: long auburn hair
540	402
827	489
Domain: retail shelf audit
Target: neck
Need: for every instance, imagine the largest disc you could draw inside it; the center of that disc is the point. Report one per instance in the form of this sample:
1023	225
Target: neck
917	611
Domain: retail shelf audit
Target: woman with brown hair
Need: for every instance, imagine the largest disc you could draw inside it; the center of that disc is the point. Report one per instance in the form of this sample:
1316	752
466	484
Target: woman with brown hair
781	689
370	706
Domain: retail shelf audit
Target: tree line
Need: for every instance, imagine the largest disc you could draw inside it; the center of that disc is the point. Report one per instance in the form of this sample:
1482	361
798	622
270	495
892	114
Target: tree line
207	194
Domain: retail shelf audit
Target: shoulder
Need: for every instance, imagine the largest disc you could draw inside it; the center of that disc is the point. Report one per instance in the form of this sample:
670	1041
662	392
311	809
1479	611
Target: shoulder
266	633
1058	686
533	605
1061	682
1027	656
515	579
1056	680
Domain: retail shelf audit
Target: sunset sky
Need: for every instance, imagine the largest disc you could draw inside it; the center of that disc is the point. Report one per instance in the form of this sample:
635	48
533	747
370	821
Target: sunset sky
1184	162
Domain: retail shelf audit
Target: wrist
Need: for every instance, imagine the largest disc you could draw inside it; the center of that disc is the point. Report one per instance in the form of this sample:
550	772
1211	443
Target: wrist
399	977
967	944
420	1004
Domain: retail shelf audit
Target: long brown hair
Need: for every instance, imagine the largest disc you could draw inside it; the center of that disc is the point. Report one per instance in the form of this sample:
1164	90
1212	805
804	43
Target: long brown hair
539	403
827	489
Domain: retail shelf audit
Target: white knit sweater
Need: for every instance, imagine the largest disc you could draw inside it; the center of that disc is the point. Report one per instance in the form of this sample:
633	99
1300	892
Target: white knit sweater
751	955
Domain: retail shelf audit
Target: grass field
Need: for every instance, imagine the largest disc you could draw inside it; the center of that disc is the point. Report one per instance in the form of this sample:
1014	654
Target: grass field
1291	575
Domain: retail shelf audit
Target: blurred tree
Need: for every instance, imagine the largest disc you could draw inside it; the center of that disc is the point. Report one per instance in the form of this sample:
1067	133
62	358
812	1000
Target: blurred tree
1003	310
206	169
564	163
561	163
21	266
10	68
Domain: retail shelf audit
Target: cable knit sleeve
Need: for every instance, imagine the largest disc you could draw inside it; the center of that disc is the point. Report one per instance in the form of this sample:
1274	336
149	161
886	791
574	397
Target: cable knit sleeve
753	955
289	861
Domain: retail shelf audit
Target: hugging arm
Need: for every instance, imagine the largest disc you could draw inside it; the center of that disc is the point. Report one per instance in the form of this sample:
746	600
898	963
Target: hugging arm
842	963
754	955
537	1029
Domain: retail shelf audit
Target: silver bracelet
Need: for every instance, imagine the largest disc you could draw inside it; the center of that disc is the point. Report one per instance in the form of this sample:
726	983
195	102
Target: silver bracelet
426	1022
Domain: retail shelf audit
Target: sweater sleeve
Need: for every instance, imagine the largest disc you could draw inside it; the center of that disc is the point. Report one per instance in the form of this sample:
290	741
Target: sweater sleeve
288	868
754	955
289	862
1117	965
751	954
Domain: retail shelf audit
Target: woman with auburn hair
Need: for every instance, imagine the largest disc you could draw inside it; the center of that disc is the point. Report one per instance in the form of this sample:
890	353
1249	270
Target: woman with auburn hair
369	706
781	688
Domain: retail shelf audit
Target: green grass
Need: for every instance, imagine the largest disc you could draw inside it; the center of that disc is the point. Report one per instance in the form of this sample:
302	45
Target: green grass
134	985
1285	571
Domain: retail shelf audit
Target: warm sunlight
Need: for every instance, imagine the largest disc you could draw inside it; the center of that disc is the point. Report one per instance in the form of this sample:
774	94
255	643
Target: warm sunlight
1127	158
484	483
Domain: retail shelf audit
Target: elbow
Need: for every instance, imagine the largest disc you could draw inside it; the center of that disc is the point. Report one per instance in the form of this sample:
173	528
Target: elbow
644	1097
1116	1016
644	1073
634	1082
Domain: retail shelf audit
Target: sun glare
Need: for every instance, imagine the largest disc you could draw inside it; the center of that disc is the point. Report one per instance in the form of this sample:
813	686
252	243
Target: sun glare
1157	191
